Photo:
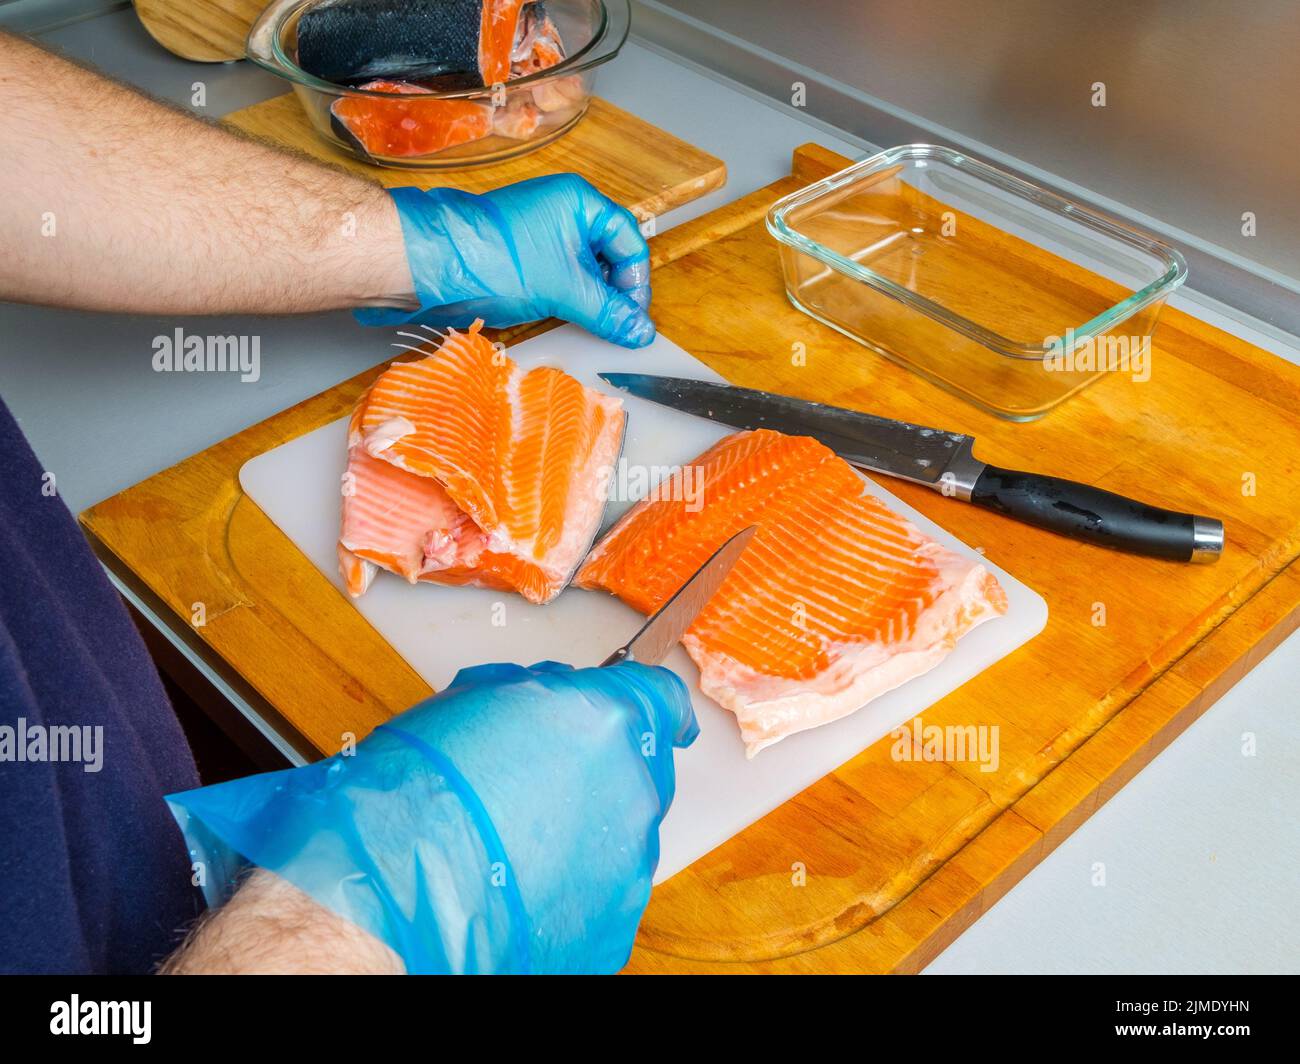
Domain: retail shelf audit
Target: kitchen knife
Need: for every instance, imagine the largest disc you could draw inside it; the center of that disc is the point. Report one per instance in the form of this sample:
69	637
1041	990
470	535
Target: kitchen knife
662	631
945	462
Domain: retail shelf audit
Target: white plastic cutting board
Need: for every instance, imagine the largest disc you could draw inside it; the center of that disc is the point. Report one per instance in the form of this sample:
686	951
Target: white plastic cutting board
439	630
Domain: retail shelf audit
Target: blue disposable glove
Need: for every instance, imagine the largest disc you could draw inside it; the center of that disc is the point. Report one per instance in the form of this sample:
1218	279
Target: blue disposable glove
549	247
509	824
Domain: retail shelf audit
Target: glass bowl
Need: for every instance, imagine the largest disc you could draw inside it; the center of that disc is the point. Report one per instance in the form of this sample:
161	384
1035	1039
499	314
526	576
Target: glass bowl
998	290
426	129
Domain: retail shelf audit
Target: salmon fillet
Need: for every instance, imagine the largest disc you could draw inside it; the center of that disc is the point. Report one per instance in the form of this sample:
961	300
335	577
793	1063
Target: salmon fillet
500	21
398	521
464	469
835	601
413	122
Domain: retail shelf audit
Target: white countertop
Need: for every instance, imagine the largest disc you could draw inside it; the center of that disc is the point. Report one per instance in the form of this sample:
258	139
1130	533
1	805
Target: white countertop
1201	850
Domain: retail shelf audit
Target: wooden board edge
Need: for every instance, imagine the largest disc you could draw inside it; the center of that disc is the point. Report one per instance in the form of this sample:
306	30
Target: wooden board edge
712	176
179	632
811	162
672	197
217	35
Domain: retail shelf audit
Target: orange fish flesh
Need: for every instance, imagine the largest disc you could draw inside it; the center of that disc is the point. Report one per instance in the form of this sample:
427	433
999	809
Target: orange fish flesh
465	469
835	601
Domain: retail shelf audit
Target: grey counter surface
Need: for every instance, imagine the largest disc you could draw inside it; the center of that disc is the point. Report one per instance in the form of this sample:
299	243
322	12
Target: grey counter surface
1201	852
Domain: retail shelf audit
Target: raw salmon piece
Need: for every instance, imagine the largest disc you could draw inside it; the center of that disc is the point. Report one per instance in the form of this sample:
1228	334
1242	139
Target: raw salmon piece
446	416
406	127
836	600
391	518
518	120
460	43
357	573
408	525
537	42
559	94
498	571
498	28
527	457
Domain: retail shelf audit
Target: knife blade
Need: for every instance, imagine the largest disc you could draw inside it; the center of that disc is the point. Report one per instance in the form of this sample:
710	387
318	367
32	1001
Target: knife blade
945	462
662	631
898	448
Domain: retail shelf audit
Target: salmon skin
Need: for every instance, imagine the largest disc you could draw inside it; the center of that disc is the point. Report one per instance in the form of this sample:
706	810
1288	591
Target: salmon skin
418	49
835	601
465	469
453	43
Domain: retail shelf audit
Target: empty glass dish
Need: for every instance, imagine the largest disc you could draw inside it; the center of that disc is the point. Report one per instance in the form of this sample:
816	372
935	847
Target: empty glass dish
1000	291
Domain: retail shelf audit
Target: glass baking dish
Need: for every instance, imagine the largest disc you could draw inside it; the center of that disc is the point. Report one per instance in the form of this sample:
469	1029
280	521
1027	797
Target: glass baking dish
993	288
422	128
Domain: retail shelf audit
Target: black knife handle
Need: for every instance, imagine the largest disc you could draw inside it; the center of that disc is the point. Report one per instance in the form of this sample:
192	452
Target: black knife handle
1102	517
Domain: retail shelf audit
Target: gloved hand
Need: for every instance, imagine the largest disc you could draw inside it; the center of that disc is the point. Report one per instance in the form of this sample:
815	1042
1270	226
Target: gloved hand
508	824
549	247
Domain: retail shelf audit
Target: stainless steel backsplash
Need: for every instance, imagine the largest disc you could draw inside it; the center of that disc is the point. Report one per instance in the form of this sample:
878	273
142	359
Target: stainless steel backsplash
1201	122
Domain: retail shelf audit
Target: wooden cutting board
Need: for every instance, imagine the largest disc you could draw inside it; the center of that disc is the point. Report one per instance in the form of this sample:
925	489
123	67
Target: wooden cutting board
206	31
633	162
720	791
881	864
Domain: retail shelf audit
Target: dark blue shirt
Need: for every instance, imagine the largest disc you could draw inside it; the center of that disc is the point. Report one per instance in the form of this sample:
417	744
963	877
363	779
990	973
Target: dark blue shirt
94	876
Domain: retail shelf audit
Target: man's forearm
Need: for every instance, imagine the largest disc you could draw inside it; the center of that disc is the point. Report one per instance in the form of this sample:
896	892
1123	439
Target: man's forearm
271	927
112	201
